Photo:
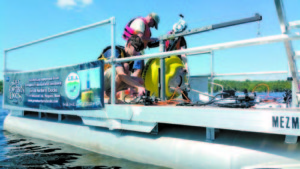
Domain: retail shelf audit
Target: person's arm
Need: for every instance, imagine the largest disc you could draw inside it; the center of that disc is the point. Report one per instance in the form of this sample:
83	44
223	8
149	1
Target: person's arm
139	27
126	68
129	80
137	73
145	39
138	66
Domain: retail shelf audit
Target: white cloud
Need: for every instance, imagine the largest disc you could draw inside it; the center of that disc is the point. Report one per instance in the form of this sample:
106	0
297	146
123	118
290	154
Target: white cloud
69	4
66	3
87	2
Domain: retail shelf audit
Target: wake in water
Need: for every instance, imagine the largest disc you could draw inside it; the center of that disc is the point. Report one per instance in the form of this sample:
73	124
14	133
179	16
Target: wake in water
21	152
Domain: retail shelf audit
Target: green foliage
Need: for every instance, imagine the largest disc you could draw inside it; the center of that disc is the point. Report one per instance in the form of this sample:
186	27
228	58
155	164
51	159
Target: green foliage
277	86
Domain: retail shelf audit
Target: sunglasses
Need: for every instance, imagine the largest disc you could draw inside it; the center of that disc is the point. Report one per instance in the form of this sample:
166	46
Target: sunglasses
136	48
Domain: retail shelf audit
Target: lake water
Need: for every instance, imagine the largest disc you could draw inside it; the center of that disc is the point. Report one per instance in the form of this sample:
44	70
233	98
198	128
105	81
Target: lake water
17	151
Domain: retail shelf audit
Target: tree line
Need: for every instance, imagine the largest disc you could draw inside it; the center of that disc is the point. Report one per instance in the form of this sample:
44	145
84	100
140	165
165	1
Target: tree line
261	86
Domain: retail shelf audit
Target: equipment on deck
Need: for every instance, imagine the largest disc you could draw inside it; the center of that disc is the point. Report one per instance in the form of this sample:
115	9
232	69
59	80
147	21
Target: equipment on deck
175	76
287	97
180	26
229	98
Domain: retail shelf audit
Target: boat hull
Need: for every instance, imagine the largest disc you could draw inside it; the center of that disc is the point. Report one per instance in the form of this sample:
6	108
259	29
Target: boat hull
174	146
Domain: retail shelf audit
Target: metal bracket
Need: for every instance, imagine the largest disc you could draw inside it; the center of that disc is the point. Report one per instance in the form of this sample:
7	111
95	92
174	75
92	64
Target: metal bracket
291	139
155	130
210	134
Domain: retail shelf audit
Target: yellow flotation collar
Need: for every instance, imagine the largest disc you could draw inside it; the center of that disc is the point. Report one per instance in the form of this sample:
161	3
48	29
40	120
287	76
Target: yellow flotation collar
151	75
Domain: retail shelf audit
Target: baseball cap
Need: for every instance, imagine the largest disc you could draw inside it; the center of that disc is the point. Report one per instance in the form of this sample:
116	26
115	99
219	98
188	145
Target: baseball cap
155	17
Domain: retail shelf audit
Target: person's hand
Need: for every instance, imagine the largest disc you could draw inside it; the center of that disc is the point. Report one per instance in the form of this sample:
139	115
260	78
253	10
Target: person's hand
154	39
133	91
141	91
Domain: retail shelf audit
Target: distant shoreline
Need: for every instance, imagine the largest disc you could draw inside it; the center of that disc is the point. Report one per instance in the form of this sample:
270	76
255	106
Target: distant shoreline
250	85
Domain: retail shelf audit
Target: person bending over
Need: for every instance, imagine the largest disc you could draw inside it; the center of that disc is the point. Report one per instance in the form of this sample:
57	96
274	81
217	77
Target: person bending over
124	80
141	26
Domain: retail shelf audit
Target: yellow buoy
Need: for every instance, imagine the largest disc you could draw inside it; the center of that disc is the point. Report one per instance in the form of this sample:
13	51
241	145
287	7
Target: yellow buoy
174	76
87	96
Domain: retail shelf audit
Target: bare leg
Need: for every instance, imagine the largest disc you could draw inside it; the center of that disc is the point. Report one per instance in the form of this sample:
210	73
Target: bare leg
118	84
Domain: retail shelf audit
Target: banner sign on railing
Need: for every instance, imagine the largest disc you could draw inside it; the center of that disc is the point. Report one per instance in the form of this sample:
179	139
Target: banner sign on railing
78	87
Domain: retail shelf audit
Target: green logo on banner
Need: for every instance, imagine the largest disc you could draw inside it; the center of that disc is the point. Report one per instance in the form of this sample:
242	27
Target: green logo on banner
72	86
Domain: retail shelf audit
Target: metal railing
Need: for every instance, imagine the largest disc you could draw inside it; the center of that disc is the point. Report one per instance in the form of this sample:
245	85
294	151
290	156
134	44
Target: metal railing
284	25
212	48
101	23
203	49
215	47
286	37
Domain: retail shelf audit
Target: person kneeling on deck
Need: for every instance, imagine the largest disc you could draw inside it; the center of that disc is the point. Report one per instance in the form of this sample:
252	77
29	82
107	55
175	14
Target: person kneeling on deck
124	80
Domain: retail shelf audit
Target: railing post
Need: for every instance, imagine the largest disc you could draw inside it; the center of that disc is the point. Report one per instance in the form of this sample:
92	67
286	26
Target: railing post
113	67
212	73
210	134
4	61
162	72
289	50
4	70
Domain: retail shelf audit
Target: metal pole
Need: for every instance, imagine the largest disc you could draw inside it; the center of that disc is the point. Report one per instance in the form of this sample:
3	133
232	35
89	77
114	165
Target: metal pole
289	50
61	34
162	72
4	61
212	73
113	66
220	46
255	18
4	71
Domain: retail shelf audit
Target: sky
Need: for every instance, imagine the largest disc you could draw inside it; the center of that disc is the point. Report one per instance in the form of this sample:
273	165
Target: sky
30	20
